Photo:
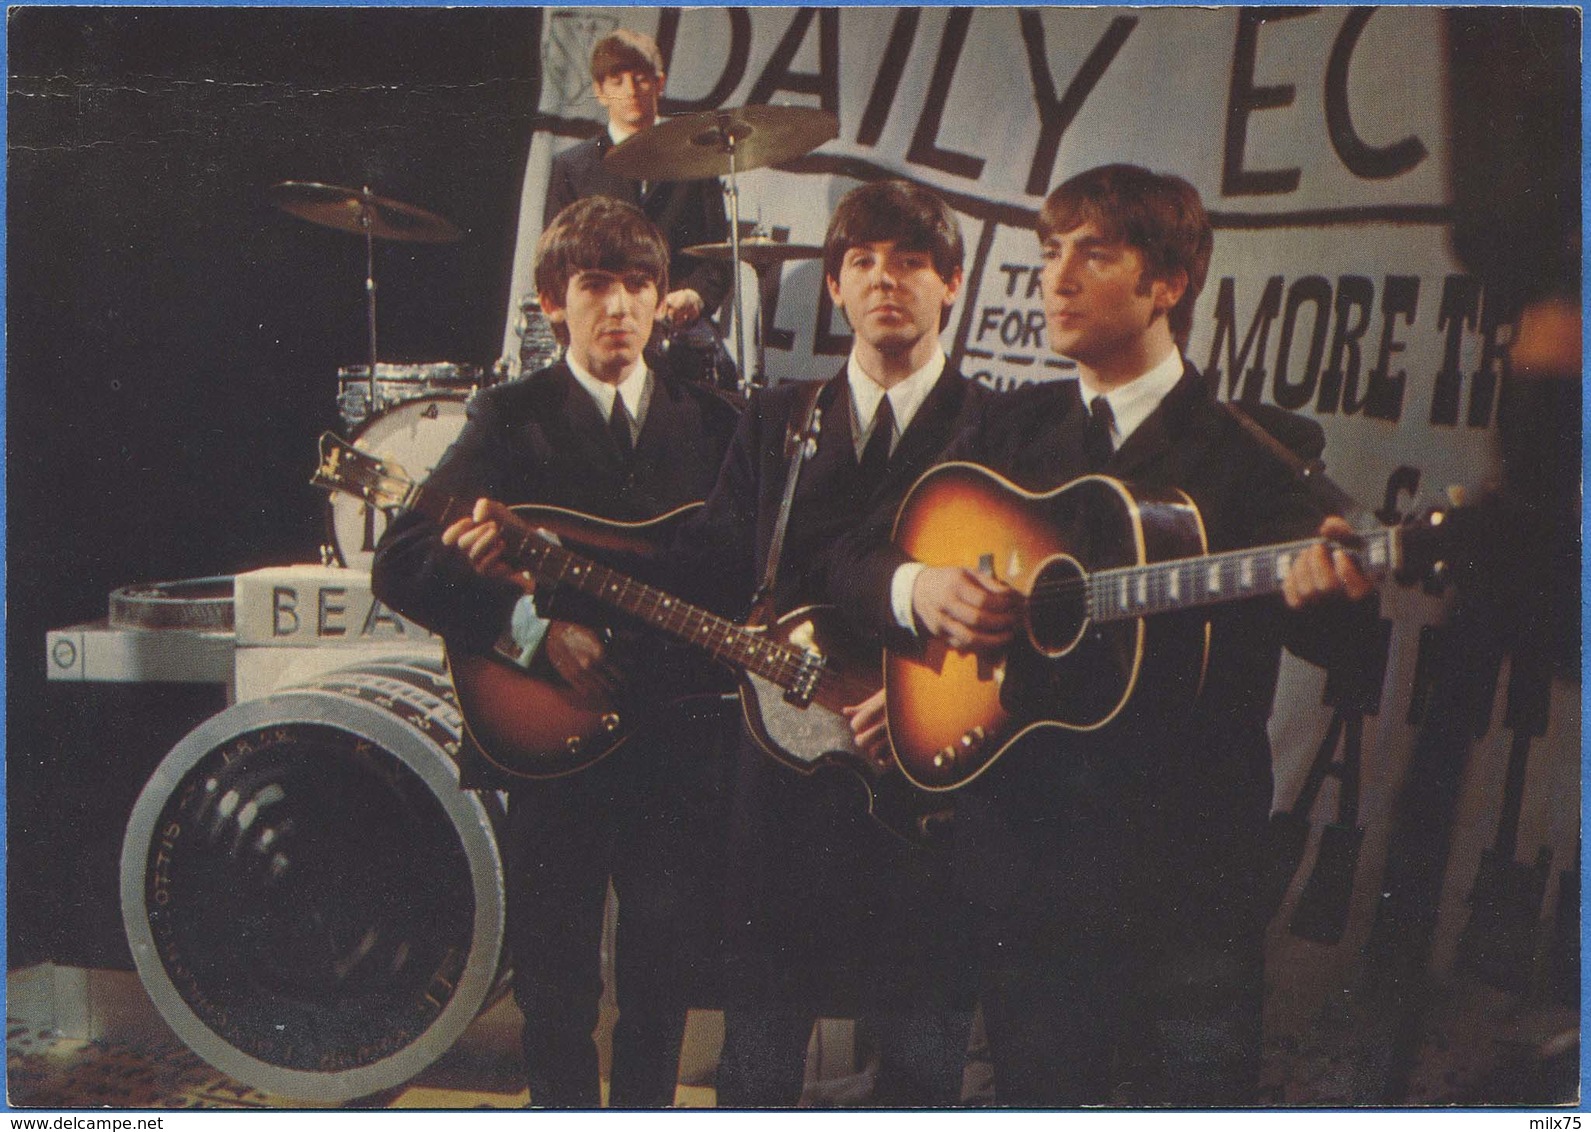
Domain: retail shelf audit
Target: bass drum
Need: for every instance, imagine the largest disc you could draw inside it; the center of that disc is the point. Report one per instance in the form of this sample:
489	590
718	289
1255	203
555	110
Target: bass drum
397	383
415	435
313	904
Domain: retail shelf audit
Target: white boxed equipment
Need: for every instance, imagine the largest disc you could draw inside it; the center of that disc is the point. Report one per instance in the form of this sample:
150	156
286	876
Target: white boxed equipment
294	622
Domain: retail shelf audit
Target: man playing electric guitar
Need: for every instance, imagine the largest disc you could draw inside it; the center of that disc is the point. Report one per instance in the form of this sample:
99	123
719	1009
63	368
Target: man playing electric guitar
602	435
1117	868
828	915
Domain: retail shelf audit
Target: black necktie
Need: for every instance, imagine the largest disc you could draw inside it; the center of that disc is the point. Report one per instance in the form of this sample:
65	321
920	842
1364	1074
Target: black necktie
1096	434
619	427
875	457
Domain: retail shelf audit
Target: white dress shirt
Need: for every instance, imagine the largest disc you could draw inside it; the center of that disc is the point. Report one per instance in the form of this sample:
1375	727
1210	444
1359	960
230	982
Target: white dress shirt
1132	403
905	398
635	387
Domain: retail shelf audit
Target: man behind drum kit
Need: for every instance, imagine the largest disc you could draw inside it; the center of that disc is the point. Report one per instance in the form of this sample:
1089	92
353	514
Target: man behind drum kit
627	77
602	434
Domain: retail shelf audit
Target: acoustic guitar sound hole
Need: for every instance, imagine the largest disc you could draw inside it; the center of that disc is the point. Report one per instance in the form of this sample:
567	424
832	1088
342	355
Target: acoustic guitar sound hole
1058	606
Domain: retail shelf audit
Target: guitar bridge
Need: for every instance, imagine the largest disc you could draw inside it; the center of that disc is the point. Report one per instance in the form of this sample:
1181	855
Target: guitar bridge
805	685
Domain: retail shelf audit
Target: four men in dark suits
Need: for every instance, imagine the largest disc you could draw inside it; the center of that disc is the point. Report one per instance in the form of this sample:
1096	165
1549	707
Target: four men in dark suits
602	434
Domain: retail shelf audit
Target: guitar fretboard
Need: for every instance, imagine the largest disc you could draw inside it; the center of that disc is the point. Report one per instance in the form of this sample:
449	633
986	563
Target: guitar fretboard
553	564
1137	591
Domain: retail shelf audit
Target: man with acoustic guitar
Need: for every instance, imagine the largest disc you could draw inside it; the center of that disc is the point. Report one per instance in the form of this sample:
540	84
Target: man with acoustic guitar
601	434
1116	863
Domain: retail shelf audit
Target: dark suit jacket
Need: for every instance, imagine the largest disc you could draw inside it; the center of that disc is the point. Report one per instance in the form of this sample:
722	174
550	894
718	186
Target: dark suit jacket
687	213
826	911
733	532
540	439
650	815
1201	782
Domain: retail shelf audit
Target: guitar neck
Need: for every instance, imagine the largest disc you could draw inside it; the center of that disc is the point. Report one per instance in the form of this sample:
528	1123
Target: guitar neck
1185	583
552	564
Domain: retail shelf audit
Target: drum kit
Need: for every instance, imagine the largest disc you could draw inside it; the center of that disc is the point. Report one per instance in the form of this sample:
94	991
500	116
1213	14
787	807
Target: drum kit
410	413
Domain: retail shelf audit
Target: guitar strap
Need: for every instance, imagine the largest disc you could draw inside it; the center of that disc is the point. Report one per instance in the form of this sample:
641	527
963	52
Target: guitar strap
1322	488
800	442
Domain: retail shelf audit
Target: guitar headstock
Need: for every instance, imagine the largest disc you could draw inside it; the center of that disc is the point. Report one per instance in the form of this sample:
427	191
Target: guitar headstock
380	483
1435	543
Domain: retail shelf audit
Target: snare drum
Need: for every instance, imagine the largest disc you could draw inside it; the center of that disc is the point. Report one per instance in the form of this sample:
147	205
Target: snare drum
397	383
693	352
414	434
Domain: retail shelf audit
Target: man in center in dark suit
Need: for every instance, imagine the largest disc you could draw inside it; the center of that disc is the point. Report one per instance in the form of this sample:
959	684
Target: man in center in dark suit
627	77
829	915
601	434
1117	871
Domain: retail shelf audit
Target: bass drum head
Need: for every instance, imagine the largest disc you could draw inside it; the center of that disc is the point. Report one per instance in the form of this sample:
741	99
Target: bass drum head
414	435
313	904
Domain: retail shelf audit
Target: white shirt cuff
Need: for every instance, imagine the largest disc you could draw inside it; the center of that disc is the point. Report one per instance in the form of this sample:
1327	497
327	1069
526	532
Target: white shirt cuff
900	594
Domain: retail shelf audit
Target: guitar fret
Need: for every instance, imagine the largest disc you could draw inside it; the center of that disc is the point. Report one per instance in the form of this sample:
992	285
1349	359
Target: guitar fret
552	565
1133	591
556	565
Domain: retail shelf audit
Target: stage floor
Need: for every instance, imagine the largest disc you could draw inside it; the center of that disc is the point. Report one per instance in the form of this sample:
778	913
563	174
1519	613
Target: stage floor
1478	1047
136	1061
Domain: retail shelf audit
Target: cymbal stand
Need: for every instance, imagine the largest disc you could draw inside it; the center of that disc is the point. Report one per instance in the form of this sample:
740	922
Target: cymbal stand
767	274
365	223
724	135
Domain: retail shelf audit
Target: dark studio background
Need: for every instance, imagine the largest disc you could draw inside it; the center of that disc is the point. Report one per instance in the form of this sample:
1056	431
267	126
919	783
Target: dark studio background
174	340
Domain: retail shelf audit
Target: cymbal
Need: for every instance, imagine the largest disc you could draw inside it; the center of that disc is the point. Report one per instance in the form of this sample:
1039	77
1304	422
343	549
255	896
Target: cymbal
758	251
695	146
346	209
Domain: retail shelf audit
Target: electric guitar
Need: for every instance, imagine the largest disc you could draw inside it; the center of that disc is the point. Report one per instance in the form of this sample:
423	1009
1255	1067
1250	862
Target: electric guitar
1097	560
795	674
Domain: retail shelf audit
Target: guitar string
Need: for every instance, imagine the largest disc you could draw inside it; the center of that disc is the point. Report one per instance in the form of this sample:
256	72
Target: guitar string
1156	573
1157	581
775	660
778	662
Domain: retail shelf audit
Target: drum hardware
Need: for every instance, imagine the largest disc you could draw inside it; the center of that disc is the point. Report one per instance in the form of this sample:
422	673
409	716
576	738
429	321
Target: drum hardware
192	603
765	255
757	251
414	432
397	383
313	904
363	213
721	143
692	351
538	344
